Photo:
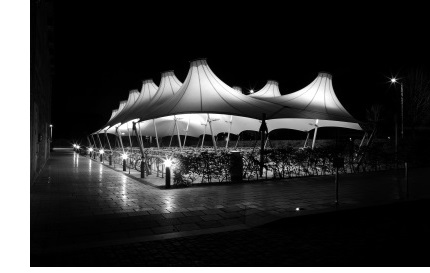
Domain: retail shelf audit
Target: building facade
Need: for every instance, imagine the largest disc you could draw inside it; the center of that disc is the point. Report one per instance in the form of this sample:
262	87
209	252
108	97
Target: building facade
41	74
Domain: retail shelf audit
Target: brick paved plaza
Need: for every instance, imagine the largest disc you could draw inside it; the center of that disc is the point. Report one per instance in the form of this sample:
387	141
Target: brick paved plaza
79	204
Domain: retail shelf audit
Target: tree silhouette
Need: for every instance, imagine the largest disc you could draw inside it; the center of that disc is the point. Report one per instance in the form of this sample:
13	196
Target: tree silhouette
416	97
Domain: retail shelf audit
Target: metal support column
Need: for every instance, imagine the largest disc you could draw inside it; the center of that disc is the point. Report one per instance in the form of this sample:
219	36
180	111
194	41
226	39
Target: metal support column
177	130
156	133
263	130
315	134
186	132
213	138
229	130
141	148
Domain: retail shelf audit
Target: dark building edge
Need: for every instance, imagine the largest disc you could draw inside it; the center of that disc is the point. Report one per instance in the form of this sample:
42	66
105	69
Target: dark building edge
41	74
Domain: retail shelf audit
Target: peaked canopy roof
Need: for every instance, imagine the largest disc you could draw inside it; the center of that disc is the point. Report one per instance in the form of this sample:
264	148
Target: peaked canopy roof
204	92
169	85
132	98
114	112
317	98
270	90
146	94
237	88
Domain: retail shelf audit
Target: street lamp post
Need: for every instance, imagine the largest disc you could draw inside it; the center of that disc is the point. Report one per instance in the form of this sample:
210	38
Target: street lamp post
394	80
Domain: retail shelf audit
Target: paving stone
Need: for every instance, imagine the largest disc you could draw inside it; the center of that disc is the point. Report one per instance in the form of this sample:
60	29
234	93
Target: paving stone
209	224
194	213
169	222
139	233
213	211
187	227
164	229
190	219
172	215
231	222
211	217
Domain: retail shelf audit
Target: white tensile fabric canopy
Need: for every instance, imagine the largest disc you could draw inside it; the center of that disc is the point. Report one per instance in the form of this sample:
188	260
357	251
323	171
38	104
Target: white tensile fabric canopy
203	92
203	97
319	98
146	94
270	90
237	88
133	95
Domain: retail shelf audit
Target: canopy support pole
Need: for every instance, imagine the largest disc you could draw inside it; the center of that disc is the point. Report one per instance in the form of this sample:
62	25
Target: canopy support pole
141	148
120	139
212	134
263	130
172	134
95	144
156	133
362	140
237	141
315	134
204	133
177	130
108	141
129	138
101	145
265	143
186	132
229	129
306	141
90	144
139	135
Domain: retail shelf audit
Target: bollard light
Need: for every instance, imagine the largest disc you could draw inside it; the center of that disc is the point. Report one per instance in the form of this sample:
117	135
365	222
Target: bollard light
168	164
124	162
102	151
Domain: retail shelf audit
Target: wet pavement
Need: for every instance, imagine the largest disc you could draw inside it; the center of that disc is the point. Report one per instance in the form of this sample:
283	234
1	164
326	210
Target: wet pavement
80	206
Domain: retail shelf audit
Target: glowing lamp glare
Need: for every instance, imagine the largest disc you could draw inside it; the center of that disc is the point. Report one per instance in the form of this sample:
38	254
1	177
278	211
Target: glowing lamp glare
393	80
90	149
78	147
102	151
168	163
124	156
297	209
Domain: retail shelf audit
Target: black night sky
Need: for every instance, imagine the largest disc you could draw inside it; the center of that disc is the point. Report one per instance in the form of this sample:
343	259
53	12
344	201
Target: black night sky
103	51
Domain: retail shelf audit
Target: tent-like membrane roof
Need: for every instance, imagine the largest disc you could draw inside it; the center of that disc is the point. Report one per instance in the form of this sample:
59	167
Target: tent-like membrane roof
317	98
203	92
270	90
204	96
